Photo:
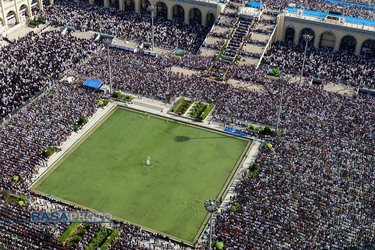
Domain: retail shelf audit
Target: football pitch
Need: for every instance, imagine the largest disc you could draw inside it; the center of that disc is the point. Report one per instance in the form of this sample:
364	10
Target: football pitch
107	171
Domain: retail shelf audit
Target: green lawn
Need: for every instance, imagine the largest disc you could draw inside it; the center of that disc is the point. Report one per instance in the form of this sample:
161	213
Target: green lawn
107	172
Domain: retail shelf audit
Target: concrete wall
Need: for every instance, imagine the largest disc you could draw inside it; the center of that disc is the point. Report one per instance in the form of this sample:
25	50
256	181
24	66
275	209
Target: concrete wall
331	32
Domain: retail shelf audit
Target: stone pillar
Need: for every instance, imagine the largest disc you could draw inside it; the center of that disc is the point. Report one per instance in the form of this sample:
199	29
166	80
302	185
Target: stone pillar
337	43
17	12
51	2
121	5
296	36
170	12
40	4
316	40
137	4
106	3
204	19
28	8
187	16
358	47
5	23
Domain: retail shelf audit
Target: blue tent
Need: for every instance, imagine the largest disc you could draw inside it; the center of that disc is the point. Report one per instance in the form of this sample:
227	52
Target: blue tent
255	5
93	83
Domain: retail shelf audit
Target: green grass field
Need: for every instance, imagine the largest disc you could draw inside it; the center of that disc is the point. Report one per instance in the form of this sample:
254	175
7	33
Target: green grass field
107	172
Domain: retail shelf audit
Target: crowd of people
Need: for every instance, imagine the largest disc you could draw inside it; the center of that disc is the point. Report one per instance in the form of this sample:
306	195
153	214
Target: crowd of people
316	186
325	156
364	12
16	89
126	25
46	54
333	66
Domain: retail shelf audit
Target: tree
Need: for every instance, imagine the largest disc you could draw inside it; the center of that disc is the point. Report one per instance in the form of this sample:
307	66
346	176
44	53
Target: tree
266	131
15	178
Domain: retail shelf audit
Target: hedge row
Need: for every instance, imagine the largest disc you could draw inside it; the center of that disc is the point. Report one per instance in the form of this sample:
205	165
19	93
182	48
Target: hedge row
102	102
49	151
128	98
175	108
109	240
98	239
80	232
206	111
34	22
185	106
254	171
69	231
197	110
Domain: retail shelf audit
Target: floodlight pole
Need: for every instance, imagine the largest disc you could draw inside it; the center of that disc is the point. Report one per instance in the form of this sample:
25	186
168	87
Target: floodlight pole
107	42
307	38
152	10
211	206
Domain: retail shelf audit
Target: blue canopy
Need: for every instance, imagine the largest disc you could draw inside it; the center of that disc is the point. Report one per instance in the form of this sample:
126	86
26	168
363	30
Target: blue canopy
348	19
255	5
93	83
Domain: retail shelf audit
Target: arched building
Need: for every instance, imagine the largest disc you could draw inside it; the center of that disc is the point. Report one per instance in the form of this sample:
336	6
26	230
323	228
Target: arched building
203	12
14	12
336	34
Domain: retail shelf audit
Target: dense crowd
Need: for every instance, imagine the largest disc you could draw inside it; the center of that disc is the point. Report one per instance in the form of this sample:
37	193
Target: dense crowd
316	186
364	12
47	54
321	157
333	66
126	25
45	122
16	89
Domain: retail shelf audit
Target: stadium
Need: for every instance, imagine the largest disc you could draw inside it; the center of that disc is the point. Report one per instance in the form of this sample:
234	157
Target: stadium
195	124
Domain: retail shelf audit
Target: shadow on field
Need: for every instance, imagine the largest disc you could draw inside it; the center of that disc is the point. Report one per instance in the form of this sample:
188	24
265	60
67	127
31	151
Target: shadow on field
181	138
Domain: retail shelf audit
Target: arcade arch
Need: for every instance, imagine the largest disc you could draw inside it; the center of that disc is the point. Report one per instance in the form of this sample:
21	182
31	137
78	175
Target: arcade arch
162	10
195	15
327	39
210	19
368	47
130	5
290	33
348	43
144	5
11	18
306	31
178	12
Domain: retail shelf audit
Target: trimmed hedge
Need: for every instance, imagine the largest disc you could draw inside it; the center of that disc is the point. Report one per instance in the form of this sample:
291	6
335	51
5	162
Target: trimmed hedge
49	151
109	240
266	131
128	98
72	227
117	94
197	110
34	22
254	171
98	238
15	178
206	111
185	106
175	107
253	129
